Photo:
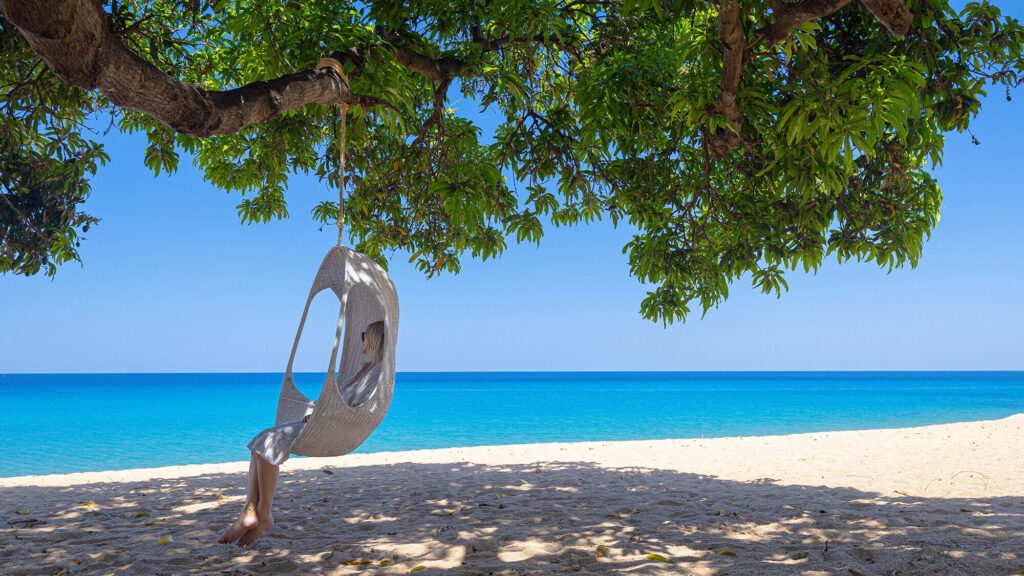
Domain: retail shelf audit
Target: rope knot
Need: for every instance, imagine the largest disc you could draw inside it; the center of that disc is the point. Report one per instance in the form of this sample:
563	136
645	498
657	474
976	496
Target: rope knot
334	64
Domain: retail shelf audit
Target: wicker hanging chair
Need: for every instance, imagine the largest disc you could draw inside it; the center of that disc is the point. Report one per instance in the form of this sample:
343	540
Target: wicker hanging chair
366	295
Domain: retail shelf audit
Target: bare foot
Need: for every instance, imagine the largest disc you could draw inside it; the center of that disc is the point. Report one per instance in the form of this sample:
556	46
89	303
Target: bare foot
254	534
247	520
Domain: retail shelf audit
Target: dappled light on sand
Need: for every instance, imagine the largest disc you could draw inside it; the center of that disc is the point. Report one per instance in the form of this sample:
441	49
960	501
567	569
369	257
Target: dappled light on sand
876	502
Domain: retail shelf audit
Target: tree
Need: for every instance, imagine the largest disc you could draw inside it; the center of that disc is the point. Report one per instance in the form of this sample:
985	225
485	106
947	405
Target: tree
738	137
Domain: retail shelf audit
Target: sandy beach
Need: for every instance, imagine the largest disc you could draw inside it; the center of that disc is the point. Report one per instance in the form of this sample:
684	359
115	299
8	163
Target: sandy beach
945	499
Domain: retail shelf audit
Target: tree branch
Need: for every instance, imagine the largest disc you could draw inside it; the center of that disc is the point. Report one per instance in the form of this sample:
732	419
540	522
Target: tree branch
440	95
893	14
437	70
730	31
789	15
490	45
442	71
73	39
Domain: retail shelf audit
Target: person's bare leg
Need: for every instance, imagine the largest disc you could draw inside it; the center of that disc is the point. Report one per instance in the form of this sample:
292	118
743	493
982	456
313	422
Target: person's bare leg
267	475
248	519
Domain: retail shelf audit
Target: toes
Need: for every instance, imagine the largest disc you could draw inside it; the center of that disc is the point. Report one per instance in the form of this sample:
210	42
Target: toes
248	538
234	532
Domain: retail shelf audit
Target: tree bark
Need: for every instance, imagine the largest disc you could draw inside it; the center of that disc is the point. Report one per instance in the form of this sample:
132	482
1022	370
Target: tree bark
73	39
893	14
437	70
789	15
734	47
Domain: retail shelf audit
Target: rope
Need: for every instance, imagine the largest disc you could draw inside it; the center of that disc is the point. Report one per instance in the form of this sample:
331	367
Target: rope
341	176
332	63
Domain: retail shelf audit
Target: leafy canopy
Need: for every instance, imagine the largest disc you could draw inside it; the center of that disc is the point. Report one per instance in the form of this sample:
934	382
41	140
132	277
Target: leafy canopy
607	110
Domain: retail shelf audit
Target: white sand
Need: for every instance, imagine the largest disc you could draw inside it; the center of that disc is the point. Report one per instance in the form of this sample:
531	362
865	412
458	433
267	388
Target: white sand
932	500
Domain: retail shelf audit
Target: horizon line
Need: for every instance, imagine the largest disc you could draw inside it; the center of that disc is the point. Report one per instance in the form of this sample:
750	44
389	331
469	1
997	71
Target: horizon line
795	371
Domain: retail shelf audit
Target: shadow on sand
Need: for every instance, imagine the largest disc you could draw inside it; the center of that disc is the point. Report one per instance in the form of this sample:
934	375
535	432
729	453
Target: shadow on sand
546	518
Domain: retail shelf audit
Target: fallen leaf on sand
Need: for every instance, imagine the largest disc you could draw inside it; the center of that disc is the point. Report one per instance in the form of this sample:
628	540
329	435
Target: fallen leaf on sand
24	512
448	511
657	557
901	492
328	472
385	562
602	551
725	552
140	514
417	569
165	540
800	555
357	562
89	503
612	516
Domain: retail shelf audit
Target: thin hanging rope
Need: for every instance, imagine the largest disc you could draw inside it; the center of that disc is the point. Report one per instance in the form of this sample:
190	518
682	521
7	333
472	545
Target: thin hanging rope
341	176
340	138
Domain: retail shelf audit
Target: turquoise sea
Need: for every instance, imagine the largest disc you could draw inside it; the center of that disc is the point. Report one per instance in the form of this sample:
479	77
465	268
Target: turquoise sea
81	422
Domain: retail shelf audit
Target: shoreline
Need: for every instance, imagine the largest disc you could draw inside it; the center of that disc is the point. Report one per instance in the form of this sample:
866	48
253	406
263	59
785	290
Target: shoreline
939	499
464	453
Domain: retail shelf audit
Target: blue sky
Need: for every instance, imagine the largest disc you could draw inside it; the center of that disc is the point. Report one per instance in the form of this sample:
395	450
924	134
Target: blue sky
172	282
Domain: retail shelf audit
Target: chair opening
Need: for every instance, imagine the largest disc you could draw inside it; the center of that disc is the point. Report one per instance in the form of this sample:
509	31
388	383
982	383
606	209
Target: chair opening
316	343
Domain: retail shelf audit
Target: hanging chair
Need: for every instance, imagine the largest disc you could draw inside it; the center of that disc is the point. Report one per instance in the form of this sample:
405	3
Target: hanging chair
367	295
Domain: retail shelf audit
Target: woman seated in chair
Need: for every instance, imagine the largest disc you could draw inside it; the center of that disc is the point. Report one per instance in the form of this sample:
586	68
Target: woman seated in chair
270	448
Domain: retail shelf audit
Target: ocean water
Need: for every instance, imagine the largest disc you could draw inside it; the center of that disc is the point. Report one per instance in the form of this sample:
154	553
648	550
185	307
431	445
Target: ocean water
89	422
